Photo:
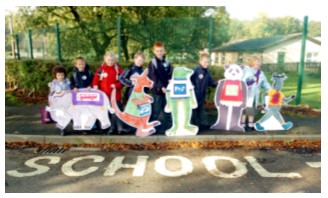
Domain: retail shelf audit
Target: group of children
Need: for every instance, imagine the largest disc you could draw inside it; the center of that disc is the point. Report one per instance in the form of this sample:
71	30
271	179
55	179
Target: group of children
110	75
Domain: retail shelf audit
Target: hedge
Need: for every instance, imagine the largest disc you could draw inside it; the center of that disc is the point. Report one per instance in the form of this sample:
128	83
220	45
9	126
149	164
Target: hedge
36	74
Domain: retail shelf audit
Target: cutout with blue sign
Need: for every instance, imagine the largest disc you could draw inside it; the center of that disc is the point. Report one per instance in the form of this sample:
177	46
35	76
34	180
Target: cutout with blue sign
180	89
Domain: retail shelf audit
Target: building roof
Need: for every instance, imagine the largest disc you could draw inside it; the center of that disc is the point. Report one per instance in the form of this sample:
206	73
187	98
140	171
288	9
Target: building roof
260	44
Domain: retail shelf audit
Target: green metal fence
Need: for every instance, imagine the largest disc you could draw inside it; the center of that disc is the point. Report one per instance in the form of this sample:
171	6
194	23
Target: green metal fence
184	39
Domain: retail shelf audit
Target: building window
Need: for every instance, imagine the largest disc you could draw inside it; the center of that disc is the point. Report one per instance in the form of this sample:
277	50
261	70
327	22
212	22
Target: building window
222	58
312	57
240	58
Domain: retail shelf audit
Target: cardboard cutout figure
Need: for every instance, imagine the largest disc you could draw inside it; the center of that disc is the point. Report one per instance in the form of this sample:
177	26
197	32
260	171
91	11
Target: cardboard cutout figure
230	99
272	119
83	107
180	100
138	108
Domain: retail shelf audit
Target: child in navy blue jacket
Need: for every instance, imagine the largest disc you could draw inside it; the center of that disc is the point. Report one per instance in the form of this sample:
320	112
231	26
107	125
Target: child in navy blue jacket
81	77
201	79
160	72
136	68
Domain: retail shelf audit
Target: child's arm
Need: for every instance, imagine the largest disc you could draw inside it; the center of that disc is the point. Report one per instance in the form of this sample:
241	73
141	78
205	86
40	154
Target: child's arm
264	82
51	88
124	78
95	80
152	76
91	80
117	84
212	82
72	80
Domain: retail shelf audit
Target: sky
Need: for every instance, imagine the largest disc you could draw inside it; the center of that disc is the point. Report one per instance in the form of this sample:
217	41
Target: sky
248	12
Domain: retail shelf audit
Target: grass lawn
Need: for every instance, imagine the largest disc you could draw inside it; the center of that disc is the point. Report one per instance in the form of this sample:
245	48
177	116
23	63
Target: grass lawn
311	88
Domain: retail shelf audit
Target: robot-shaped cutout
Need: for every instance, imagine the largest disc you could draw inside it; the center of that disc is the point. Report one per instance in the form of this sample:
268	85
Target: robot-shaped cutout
180	97
272	119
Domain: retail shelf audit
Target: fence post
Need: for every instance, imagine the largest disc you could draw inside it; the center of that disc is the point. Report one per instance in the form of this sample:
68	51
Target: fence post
59	57
17	44
210	39
301	67
119	38
30	43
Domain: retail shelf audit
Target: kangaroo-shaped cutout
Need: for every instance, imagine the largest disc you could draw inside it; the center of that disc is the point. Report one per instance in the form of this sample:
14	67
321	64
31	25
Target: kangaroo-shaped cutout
272	119
138	108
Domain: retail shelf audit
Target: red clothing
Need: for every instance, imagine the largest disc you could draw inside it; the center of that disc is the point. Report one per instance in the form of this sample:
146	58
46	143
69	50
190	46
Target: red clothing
231	91
108	76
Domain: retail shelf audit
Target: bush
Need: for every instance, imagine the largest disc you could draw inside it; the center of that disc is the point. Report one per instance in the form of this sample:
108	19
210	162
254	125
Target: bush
35	74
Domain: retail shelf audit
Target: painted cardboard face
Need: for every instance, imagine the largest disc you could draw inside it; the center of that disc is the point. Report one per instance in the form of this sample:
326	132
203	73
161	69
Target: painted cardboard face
233	72
181	100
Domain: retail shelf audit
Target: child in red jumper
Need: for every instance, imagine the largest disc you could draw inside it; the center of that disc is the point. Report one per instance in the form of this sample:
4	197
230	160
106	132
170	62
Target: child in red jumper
105	79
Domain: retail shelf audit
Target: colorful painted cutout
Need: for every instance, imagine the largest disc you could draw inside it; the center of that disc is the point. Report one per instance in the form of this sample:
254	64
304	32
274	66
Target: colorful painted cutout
83	108
138	108
230	99
272	119
180	100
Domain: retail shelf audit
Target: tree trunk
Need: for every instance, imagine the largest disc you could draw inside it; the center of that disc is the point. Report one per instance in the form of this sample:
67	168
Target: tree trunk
125	40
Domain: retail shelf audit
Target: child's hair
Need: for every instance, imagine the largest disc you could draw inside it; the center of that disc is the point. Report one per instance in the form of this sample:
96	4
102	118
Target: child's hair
204	55
252	59
139	53
58	69
111	54
79	58
158	45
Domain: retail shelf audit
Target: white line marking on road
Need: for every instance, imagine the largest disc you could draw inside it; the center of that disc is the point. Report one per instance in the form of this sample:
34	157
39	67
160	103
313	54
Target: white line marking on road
265	173
212	168
314	164
117	163
67	168
31	163
185	163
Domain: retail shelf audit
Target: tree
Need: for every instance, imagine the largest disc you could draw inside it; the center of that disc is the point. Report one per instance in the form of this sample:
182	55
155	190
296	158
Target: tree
263	26
93	30
314	28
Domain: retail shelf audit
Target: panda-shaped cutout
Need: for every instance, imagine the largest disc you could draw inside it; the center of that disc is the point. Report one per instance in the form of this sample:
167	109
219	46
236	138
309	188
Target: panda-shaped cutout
230	99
